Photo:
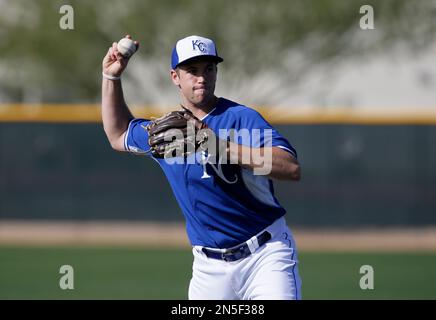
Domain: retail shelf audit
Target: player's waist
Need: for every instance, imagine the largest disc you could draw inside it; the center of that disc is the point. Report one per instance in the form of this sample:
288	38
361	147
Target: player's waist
248	247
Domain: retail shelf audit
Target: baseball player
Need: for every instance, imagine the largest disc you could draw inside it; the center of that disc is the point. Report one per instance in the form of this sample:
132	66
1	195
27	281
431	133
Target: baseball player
241	244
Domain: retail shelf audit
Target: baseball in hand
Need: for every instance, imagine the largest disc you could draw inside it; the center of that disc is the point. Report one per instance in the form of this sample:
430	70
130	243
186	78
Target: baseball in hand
126	47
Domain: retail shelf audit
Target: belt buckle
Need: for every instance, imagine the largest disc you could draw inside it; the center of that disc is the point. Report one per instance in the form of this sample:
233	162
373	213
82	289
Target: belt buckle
241	251
223	256
226	255
237	254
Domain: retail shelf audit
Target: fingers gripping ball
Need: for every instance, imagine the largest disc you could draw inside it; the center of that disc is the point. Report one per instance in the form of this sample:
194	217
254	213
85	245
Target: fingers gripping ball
126	47
178	133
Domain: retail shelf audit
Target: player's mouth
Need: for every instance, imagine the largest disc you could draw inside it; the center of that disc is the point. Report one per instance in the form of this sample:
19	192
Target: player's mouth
201	90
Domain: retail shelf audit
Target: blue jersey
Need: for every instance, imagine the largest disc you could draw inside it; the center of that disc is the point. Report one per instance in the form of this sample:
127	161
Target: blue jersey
223	204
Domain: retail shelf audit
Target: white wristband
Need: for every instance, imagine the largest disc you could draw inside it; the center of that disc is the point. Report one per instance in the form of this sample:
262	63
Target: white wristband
109	77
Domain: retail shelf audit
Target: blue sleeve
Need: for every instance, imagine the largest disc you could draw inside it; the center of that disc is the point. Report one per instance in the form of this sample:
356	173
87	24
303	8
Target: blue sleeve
262	133
136	138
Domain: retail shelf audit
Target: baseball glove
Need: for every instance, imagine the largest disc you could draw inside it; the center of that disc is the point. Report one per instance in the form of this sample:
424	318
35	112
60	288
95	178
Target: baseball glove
178	133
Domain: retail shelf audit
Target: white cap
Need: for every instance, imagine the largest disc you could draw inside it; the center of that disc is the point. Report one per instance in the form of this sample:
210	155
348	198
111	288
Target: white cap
192	47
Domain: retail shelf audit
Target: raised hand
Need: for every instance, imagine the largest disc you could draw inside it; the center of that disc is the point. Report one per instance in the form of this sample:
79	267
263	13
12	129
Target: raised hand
114	63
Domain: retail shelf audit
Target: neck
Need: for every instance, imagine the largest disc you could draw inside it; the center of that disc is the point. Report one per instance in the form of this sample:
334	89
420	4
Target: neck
200	110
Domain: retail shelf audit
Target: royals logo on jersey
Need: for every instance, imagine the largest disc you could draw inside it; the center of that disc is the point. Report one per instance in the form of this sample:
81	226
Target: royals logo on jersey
215	166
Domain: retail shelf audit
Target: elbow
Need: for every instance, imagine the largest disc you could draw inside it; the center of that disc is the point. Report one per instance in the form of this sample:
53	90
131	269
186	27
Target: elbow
111	139
295	173
114	145
116	142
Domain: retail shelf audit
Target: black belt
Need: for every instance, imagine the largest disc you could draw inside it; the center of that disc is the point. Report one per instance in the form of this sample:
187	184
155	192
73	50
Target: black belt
238	252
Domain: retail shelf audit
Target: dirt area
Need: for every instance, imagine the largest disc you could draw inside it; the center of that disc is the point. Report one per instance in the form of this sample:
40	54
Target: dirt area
173	235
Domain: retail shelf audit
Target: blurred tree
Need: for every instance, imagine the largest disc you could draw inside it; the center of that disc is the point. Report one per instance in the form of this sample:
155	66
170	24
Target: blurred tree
259	39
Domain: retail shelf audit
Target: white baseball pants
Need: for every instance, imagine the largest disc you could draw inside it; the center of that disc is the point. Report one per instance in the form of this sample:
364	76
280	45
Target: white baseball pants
270	273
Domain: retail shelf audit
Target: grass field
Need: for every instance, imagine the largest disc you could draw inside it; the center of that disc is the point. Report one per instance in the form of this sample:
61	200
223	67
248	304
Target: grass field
142	273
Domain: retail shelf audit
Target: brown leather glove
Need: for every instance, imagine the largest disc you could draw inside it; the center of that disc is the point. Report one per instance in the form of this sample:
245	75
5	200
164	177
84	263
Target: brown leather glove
178	133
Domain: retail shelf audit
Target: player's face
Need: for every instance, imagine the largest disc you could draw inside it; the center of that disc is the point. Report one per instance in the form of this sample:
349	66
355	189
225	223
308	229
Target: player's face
196	81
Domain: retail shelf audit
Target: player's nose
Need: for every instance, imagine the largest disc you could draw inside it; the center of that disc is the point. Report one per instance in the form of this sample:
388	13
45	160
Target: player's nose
201	78
202	74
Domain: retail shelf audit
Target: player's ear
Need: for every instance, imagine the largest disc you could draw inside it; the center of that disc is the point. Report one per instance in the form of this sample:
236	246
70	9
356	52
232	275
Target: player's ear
175	77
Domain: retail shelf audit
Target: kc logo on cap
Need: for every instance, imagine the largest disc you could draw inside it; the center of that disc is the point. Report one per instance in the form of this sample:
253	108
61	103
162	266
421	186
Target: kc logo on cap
200	45
192	47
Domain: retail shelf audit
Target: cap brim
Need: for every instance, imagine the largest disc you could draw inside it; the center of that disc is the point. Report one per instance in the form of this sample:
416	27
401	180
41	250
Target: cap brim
202	57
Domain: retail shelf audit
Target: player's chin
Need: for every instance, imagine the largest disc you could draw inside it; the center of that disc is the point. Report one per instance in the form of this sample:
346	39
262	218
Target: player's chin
201	95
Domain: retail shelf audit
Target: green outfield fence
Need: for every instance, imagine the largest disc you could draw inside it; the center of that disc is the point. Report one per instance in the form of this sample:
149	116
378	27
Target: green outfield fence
357	170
